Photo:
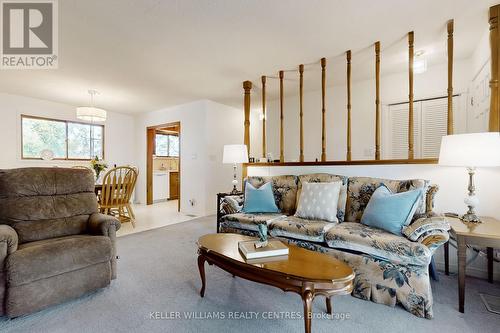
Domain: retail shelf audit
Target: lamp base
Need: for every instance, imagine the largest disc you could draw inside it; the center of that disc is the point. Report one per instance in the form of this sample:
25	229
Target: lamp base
235	190
470	218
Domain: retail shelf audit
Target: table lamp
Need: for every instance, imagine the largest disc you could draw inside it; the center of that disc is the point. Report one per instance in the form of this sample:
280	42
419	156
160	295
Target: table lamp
235	154
471	151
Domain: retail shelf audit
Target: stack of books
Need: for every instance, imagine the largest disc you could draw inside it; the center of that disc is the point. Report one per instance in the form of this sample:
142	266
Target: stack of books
274	251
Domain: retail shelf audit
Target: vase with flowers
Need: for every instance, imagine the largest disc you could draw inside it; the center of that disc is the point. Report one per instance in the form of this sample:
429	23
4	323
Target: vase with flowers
98	166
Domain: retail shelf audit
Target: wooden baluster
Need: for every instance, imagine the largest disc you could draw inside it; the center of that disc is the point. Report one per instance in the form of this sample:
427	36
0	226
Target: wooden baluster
410	95
301	111
247	87
263	79
282	138
348	58
450	77
494	121
323	109
377	101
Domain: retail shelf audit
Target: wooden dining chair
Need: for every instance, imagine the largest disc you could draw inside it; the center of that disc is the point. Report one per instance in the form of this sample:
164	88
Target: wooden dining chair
117	187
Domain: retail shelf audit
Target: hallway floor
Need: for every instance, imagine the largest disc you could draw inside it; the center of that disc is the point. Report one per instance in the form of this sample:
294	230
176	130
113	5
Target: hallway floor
154	216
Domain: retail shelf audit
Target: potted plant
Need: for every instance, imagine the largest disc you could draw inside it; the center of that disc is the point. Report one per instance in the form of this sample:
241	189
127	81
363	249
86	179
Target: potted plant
98	166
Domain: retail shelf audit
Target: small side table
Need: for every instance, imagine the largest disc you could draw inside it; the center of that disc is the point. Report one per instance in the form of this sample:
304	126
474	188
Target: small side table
485	234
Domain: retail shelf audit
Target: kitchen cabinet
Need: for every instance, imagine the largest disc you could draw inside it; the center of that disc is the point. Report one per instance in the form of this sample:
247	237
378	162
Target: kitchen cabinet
174	185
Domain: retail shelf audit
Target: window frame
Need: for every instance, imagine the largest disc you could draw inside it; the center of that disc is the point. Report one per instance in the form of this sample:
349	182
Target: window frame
166	134
66	122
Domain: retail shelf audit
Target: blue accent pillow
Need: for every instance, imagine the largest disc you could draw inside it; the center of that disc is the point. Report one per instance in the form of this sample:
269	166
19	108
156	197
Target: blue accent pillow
391	211
259	200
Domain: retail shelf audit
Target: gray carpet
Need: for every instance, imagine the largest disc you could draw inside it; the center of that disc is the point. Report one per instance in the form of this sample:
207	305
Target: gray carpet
158	272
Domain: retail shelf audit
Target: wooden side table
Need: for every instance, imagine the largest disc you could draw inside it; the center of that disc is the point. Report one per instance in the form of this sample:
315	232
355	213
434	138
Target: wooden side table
486	234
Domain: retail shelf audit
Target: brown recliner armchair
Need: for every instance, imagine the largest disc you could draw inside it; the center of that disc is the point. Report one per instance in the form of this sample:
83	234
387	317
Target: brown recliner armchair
54	245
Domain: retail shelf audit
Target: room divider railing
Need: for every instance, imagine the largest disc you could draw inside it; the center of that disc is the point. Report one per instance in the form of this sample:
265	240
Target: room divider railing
494	115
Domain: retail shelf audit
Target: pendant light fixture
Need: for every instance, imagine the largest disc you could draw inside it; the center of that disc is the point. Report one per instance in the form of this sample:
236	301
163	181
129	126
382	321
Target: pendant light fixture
91	113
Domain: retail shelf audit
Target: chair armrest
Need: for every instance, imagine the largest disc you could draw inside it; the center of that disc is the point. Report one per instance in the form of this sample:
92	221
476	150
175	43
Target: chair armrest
106	225
229	204
8	242
429	231
433	239
429	200
101	224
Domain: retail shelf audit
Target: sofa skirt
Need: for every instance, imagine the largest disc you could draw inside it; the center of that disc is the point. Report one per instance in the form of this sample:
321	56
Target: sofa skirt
377	280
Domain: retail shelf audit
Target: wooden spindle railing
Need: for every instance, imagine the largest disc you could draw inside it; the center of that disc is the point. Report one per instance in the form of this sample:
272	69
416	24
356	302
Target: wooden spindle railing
348	59
449	28
377	101
323	109
410	95
263	80
494	116
494	121
247	87
282	138
301	112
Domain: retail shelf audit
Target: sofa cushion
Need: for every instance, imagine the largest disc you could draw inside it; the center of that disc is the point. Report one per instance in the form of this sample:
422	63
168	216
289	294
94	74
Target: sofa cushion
377	243
360	190
299	228
259	200
318	201
249	221
284	190
391	211
46	258
327	178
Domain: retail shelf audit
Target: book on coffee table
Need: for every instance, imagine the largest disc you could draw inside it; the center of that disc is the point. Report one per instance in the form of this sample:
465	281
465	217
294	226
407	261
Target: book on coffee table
273	248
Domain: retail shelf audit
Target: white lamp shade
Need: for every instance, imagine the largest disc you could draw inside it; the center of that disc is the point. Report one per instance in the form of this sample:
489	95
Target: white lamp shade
235	154
471	150
89	113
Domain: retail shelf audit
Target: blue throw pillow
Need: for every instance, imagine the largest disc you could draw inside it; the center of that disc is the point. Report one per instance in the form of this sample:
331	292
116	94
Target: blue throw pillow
259	200
391	211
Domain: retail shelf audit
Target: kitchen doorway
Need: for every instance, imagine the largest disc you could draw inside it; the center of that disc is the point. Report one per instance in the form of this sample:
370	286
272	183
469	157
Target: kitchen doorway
164	164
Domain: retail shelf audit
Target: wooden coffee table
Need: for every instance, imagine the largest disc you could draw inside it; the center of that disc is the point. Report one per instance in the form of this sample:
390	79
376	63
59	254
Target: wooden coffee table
305	272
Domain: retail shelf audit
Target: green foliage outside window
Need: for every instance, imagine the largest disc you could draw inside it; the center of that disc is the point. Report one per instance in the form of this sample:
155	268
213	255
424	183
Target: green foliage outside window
68	140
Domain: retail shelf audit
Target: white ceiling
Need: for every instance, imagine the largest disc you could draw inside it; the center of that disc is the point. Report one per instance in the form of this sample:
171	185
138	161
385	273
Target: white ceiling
148	54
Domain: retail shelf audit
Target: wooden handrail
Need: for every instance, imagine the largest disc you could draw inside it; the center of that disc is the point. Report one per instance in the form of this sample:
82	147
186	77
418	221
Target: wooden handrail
355	162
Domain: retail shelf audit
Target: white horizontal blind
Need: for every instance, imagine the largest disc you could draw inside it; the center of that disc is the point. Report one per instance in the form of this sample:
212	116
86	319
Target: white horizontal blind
434	126
398	118
430	124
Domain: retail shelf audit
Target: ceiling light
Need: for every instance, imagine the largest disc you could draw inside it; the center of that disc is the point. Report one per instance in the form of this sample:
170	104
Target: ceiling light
91	113
419	63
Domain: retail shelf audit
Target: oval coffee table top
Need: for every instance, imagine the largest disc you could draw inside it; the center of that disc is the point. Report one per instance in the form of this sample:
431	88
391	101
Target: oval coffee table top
301	263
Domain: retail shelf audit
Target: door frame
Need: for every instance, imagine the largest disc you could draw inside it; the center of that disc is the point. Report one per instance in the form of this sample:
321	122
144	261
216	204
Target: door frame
150	149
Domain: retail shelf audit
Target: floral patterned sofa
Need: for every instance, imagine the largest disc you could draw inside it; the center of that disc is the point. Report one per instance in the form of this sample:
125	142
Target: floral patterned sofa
390	269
